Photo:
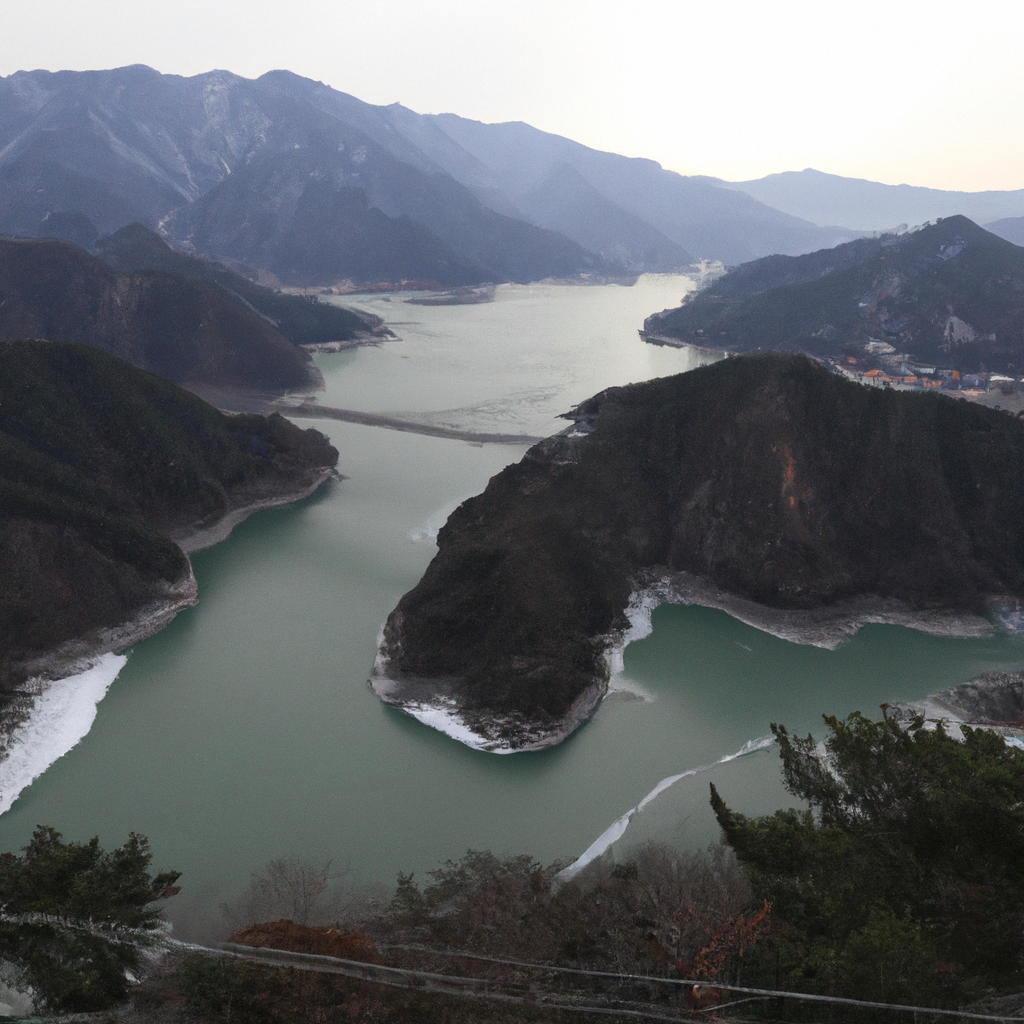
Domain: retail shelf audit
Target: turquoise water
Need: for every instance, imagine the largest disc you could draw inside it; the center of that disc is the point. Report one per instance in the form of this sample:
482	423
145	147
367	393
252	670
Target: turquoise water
246	729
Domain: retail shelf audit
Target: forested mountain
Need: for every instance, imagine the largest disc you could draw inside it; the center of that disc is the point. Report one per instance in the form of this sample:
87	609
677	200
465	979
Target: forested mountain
765	476
102	468
950	294
303	320
181	328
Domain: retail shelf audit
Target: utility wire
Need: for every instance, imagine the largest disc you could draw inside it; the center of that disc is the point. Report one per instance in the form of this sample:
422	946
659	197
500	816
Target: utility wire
805	996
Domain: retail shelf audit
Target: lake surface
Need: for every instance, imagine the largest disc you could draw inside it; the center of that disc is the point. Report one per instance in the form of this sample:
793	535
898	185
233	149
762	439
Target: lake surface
246	729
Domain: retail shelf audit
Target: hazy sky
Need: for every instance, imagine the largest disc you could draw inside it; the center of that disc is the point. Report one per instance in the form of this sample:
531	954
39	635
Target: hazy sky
929	93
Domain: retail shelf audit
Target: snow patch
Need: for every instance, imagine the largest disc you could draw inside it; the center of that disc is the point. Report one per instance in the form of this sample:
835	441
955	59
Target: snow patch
444	717
62	714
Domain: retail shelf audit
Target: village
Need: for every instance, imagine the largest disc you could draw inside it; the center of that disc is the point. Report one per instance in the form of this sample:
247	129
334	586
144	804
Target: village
995	390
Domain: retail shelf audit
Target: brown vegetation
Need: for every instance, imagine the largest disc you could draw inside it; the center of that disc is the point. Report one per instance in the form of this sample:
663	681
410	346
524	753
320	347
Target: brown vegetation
299	938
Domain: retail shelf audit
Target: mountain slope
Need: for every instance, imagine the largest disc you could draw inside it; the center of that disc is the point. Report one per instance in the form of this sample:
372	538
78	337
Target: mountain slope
568	203
765	476
951	293
102	466
302	320
1010	228
706	220
133	145
178	327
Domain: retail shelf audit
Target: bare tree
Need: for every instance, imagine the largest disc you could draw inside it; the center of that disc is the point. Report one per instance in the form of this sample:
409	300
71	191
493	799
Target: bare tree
300	889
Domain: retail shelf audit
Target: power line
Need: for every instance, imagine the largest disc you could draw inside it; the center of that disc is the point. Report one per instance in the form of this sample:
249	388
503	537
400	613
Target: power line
805	996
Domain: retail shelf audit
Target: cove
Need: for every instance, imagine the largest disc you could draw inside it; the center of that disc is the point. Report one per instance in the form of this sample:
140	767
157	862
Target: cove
246	729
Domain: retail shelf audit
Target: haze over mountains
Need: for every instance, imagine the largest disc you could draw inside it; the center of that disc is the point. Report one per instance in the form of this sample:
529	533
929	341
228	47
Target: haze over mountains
288	176
871	206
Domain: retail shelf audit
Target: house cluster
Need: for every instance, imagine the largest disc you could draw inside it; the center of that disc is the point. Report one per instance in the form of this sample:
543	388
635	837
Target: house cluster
910	375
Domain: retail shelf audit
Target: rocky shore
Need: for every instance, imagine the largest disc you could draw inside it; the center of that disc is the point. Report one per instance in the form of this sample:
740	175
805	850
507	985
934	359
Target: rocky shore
197	538
993	700
796	501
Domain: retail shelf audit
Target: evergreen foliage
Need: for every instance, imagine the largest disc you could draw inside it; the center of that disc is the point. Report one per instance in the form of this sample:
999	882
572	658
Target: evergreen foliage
904	880
74	919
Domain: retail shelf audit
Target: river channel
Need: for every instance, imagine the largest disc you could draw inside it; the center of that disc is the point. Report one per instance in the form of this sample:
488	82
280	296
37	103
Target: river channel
246	730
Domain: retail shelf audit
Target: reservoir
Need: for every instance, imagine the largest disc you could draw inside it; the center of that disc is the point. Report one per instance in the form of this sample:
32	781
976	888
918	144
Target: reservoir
246	730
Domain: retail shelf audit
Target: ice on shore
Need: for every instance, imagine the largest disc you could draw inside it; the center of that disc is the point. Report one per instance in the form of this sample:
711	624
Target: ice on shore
617	829
429	529
62	714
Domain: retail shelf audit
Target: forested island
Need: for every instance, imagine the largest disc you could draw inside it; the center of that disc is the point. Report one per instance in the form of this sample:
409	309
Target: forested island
765	485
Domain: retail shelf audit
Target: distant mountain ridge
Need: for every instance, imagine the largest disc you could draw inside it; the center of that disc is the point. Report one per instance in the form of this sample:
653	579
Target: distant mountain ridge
950	294
872	206
317	201
315	186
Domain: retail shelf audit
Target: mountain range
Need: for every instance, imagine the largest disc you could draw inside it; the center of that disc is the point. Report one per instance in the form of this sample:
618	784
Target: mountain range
288	176
293	179
871	206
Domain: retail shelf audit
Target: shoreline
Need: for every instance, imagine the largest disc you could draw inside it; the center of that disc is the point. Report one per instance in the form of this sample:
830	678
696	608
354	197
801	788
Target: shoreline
205	537
66	684
826	627
431	701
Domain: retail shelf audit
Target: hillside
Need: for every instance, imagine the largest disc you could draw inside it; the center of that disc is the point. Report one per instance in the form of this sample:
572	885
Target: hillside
302	320
567	202
765	477
950	294
281	183
102	468
179	327
697	214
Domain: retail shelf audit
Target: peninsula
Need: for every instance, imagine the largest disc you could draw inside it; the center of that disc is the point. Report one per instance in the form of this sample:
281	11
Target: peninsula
801	502
947	295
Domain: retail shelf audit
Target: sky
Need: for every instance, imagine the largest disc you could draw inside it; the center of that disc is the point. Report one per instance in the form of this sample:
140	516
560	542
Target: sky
927	93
